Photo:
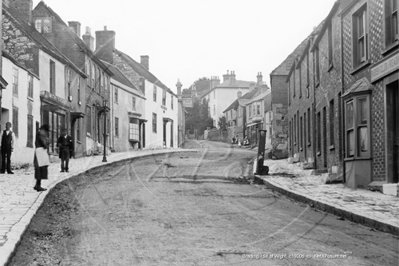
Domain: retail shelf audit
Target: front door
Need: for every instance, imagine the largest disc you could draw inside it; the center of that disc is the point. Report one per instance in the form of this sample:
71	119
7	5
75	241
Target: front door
393	131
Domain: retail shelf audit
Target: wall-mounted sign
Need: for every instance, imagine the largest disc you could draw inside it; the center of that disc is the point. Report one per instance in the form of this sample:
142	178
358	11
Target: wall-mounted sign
187	102
385	67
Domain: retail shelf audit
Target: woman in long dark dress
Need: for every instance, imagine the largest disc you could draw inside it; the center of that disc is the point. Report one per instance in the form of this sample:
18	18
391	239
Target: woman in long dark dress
42	140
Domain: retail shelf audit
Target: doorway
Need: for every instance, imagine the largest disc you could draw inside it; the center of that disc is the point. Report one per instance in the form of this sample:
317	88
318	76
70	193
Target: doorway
393	131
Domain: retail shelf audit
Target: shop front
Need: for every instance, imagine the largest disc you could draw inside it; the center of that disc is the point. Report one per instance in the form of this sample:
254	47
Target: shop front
55	113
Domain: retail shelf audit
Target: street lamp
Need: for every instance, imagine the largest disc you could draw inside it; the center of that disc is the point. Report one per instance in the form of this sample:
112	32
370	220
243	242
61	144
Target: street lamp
105	129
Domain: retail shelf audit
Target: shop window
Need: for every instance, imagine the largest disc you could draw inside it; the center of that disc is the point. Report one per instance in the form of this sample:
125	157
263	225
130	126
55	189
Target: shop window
133	129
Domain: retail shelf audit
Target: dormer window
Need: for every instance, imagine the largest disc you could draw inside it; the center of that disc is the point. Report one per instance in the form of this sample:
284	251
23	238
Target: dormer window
44	25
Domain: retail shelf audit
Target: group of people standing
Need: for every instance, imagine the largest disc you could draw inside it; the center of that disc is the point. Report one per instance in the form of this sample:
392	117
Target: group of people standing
41	160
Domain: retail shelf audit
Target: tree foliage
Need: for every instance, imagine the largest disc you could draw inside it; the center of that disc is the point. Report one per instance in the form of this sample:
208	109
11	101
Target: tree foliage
222	124
198	118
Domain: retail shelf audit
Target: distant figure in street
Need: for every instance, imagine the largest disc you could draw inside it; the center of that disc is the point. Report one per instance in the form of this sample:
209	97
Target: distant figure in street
7	147
65	146
246	141
233	140
42	141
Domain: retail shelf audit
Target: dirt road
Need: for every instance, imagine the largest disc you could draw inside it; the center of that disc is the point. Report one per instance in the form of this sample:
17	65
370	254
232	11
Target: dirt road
191	209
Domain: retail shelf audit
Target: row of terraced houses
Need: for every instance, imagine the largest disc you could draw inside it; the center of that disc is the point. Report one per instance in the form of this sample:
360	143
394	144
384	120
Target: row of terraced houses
343	104
51	74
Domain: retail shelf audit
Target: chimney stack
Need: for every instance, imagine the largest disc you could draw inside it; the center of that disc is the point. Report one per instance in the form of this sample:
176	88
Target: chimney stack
233	77
214	82
178	86
75	27
226	77
259	78
144	61
105	45
23	7
88	39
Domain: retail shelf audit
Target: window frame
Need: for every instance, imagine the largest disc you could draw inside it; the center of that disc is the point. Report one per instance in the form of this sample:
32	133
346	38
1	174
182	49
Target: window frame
391	29
154	93
164	97
52	77
133	103
15	120
116	94
154	123
29	137
30	86
360	42
116	125
15	81
88	120
331	112
134	132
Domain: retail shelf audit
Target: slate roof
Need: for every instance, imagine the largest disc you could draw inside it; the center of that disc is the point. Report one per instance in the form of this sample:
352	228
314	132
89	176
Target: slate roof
39	40
120	77
232	106
142	71
260	96
82	45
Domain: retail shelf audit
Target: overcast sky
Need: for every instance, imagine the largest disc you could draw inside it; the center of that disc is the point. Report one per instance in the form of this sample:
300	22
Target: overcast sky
190	39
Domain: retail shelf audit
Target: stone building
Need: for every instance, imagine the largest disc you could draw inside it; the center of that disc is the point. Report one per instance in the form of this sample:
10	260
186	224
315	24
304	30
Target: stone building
87	94
37	57
159	124
221	95
127	106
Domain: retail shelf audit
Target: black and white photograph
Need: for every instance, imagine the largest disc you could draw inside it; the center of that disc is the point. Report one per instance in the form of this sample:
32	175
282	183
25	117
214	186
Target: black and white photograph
199	132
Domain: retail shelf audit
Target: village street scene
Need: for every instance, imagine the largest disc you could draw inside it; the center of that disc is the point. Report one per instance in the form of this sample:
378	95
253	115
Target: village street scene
106	161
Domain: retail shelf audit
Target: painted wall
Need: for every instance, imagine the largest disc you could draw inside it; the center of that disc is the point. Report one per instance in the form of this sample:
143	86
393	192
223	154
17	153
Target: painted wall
26	106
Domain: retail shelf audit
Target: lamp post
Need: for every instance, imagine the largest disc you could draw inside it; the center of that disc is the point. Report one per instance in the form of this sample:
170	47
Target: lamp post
105	129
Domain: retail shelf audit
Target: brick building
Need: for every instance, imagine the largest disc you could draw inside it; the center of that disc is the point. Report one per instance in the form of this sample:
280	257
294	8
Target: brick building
88	93
371	109
315	89
343	95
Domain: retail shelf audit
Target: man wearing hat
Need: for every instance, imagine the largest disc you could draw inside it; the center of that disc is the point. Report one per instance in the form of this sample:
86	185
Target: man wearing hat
65	146
7	141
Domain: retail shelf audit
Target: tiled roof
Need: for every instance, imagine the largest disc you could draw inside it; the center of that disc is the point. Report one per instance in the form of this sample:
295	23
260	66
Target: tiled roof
260	96
142	71
82	45
120	77
39	40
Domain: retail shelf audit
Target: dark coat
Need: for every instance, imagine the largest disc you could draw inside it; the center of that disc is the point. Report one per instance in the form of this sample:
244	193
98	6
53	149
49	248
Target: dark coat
65	146
42	141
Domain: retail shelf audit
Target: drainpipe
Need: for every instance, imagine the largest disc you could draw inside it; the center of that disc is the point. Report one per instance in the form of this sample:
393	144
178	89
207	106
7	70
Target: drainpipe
342	105
314	123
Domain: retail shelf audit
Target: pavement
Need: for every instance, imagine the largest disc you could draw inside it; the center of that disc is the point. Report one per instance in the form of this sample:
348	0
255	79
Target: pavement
370	208
19	202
